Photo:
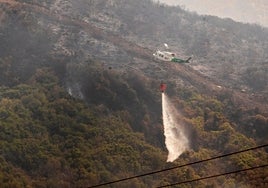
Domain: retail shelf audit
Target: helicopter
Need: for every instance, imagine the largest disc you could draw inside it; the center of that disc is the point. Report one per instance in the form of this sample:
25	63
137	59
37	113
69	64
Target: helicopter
169	56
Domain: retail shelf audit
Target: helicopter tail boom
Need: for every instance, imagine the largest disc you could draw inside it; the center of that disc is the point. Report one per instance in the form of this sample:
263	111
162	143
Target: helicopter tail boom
177	60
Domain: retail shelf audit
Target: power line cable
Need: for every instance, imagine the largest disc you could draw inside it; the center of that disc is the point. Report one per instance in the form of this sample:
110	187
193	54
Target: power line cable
214	176
180	166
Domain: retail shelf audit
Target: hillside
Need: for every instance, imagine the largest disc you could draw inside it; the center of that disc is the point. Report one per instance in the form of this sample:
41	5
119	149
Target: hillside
80	103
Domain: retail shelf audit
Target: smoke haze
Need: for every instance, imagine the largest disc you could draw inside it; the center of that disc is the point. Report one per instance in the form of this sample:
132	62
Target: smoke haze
246	11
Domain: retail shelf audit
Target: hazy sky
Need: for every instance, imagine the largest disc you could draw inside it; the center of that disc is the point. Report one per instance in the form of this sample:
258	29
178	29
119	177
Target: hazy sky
248	11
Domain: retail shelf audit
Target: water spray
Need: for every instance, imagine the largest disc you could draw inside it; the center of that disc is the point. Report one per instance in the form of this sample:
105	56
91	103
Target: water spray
175	138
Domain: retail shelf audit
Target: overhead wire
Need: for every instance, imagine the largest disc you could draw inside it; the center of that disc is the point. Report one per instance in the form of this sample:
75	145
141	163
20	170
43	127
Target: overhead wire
215	176
179	166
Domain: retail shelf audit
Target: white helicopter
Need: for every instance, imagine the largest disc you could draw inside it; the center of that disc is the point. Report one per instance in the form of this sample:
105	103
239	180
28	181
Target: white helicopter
169	56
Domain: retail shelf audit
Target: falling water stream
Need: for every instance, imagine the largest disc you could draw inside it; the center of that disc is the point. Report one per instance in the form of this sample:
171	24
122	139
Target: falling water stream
175	139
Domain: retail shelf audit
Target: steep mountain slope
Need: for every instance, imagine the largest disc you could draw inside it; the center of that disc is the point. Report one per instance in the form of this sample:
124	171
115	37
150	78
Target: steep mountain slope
57	55
115	48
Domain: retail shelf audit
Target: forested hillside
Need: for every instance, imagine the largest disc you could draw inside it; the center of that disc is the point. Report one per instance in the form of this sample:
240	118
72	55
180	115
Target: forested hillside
48	138
80	105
